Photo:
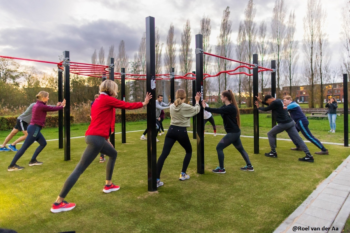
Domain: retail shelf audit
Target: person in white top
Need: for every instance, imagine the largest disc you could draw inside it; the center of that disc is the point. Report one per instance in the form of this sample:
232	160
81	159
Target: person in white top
209	117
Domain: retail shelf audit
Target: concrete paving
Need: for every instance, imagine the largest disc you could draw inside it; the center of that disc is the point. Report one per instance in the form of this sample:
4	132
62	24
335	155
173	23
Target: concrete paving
326	209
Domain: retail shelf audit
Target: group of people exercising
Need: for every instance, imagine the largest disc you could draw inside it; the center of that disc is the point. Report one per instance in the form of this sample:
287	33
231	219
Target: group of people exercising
288	114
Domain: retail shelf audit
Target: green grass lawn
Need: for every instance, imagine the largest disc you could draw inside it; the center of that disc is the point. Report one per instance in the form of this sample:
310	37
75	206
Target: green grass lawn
347	226
319	128
233	202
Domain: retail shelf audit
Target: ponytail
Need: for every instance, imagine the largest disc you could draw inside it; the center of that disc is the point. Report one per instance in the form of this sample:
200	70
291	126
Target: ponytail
180	96
231	97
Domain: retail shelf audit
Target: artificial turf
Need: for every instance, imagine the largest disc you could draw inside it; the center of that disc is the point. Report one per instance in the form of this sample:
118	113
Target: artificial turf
233	202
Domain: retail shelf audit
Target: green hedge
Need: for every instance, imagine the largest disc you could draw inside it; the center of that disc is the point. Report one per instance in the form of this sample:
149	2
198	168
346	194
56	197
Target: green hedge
7	123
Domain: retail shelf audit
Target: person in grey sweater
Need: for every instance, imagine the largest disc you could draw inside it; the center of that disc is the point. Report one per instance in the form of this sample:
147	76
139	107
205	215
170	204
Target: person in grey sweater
181	114
21	125
160	105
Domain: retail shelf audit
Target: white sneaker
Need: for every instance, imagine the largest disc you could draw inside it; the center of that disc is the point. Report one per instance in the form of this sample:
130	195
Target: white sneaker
143	137
330	131
159	183
333	131
184	177
157	140
214	134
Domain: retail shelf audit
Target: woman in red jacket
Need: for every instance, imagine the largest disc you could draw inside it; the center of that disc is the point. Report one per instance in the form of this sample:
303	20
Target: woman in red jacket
96	138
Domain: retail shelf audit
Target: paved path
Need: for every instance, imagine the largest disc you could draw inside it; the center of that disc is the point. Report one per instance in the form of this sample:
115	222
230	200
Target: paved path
326	209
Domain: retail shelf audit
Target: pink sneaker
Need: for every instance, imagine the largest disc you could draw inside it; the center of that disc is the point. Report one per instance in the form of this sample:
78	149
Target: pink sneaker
61	207
110	188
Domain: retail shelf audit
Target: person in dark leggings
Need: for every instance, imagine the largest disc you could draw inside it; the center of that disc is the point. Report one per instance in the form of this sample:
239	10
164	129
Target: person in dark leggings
209	117
284	123
230	115
96	138
180	114
161	119
37	122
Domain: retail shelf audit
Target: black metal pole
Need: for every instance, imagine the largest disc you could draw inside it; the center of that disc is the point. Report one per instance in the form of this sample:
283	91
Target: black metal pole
60	113
273	91
199	88
172	85
67	108
122	97
256	110
111	77
346	110
151	107
194	121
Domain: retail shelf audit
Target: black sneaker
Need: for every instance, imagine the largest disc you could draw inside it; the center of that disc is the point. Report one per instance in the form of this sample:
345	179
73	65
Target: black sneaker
35	163
14	168
271	154
247	168
307	158
219	170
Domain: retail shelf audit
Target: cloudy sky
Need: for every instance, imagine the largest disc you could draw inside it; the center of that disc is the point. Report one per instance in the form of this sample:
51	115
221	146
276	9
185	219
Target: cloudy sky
41	29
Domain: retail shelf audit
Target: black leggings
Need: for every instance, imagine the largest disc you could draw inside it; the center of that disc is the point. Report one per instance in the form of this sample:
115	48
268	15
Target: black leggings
234	139
175	133
161	125
212	122
157	127
34	134
95	144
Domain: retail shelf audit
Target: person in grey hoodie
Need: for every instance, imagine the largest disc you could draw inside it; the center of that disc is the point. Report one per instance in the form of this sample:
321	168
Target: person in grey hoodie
21	125
160	105
332	106
180	114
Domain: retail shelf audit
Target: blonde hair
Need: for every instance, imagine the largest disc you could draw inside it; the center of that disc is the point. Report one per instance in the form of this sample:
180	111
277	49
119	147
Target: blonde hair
288	97
42	94
231	97
180	96
109	87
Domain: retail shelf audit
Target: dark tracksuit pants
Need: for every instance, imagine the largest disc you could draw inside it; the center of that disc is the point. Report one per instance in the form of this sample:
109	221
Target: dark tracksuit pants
175	133
292	133
95	145
235	140
212	122
34	134
303	126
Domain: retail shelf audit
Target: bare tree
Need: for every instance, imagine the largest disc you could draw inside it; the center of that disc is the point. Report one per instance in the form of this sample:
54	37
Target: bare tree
186	53
346	38
291	52
263	50
94	58
250	33
158	52
206	32
122	59
169	58
225	42
101	56
278	36
170	50
241	55
219	67
110	54
142	60
322	53
310	43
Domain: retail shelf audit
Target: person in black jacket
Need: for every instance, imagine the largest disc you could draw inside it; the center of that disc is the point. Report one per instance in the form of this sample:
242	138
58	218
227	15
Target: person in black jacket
285	123
332	106
230	115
